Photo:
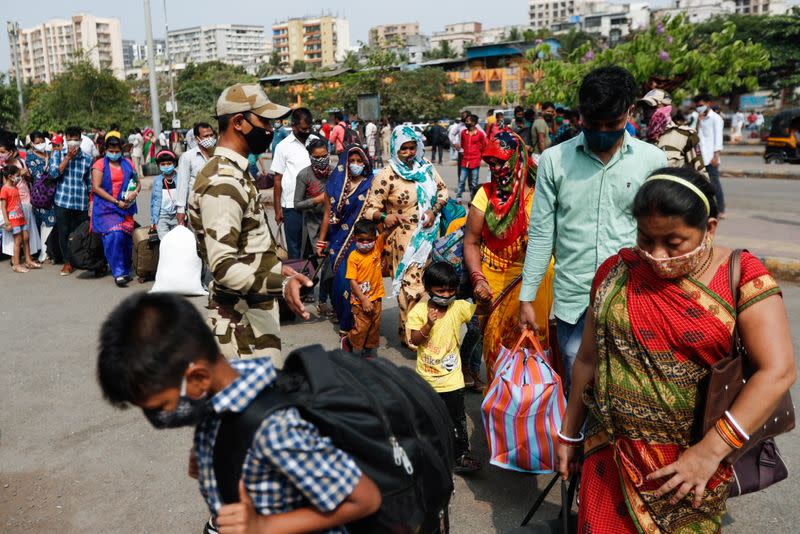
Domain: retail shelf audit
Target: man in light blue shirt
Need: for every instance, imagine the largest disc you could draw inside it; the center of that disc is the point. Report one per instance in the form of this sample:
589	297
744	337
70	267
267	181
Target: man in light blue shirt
582	206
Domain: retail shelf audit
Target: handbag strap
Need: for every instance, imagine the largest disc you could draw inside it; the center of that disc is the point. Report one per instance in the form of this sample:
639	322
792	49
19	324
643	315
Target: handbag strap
734	279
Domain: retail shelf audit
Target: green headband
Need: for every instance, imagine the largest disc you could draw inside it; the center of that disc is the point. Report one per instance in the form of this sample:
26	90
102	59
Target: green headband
685	183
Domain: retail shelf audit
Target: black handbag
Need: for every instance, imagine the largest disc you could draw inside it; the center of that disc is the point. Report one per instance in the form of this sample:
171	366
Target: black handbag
758	464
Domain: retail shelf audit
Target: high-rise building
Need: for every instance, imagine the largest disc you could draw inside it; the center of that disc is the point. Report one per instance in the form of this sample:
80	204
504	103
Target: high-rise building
134	54
702	10
392	34
235	44
458	36
760	7
318	41
47	49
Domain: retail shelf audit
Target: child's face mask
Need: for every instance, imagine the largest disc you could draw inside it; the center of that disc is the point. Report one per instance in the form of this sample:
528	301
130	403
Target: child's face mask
188	412
365	246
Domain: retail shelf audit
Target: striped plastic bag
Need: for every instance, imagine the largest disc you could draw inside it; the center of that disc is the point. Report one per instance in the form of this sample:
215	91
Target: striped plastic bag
523	409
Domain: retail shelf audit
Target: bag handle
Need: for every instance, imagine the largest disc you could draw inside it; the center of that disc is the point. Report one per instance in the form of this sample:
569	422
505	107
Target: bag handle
528	335
734	279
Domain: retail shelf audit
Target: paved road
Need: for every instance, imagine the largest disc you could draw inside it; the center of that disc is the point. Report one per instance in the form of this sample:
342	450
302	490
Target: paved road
70	463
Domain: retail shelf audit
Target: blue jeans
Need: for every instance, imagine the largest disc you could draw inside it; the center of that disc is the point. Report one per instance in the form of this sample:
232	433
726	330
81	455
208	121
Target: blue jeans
472	174
293	228
569	341
472	347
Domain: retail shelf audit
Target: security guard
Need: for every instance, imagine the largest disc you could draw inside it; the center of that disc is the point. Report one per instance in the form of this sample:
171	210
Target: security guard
233	235
679	143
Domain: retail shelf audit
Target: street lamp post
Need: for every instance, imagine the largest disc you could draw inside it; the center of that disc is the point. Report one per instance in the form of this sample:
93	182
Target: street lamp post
151	64
169	64
13	38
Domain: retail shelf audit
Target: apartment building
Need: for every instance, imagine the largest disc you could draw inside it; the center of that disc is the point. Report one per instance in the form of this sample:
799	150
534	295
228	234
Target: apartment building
318	41
134	54
235	44
458	36
47	49
392	34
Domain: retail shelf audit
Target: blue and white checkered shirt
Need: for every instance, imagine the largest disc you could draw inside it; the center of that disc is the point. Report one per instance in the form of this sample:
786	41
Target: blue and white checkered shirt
75	183
289	466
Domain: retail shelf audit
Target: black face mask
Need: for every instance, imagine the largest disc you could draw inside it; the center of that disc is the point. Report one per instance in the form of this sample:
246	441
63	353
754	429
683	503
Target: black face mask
258	139
302	136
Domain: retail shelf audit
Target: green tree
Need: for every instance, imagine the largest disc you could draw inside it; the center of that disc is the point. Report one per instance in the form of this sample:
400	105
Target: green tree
351	60
443	51
665	56
573	40
9	106
298	66
780	35
464	94
513	34
199	85
273	66
82	95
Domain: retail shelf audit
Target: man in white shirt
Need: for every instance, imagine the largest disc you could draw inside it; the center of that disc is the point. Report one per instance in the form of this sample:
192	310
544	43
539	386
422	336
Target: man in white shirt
88	147
137	145
162	140
191	140
371	135
737	122
289	159
709	129
191	162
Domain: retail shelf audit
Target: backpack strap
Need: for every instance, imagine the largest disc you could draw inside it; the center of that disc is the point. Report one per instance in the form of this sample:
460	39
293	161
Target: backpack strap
235	437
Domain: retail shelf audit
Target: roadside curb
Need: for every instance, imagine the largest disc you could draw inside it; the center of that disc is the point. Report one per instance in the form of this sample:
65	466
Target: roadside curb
785	269
759	175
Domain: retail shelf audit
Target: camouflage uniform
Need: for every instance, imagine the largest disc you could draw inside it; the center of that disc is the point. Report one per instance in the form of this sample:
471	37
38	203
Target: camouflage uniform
235	240
682	148
680	144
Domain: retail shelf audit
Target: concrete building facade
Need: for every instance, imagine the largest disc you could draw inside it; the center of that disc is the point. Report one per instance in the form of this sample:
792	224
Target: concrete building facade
458	36
318	41
235	44
390	34
46	50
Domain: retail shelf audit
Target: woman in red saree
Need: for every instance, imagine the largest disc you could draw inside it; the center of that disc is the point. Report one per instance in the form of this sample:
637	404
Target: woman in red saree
662	315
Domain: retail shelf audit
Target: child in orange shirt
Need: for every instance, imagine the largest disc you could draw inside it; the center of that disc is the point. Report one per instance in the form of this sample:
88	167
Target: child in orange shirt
366	288
14	219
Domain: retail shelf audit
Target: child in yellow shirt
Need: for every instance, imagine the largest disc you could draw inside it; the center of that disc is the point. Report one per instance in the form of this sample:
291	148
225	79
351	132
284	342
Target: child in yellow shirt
435	326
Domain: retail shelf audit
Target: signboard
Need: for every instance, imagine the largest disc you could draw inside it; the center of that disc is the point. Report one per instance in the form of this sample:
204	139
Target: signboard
172	106
753	101
176	123
369	107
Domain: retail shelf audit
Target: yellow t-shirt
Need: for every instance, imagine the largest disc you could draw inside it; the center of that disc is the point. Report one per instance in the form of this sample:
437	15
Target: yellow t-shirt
481	201
438	360
366	270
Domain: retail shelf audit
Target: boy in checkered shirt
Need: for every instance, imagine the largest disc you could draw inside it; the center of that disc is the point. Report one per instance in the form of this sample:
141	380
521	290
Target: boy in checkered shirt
156	353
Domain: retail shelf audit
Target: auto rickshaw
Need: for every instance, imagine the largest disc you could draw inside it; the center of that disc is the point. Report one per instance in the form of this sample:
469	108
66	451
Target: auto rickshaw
782	143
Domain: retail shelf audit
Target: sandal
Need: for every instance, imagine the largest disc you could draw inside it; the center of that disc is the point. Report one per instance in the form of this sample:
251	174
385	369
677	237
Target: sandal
33	265
19	269
466	464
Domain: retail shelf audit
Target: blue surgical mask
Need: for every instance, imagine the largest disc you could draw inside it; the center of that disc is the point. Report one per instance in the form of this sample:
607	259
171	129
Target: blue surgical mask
188	412
356	169
114	156
602	141
167	169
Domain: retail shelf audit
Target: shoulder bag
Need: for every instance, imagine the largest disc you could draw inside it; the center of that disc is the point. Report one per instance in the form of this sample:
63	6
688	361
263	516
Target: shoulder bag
758	464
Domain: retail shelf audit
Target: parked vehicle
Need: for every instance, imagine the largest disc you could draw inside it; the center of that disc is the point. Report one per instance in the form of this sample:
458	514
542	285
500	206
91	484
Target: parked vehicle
782	143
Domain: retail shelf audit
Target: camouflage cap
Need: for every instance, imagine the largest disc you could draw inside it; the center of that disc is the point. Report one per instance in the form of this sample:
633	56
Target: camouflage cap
251	97
656	97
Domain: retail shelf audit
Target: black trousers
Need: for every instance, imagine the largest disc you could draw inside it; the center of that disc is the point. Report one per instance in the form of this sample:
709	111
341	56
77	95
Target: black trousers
434	148
454	400
67	220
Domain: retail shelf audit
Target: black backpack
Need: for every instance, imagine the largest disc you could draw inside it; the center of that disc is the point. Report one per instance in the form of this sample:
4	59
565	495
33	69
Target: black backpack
86	249
396	428
351	137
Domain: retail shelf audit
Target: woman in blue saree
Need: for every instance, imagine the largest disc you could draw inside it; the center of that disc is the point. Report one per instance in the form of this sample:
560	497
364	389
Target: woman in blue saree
113	208
346	190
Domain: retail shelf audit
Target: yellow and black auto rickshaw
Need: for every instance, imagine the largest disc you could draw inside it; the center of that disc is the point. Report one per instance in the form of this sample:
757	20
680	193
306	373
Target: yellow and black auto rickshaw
782	143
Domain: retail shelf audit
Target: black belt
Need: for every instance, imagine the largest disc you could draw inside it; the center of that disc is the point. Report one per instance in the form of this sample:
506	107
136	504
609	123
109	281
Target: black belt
230	299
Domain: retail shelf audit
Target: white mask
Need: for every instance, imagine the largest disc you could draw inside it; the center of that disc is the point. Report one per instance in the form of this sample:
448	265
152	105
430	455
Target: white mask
208	142
701	109
40	147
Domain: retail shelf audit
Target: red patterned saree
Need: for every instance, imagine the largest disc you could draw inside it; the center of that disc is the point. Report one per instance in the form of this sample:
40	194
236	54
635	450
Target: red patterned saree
656	340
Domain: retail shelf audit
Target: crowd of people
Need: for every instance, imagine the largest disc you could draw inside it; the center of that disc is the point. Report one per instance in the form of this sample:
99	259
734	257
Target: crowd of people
610	235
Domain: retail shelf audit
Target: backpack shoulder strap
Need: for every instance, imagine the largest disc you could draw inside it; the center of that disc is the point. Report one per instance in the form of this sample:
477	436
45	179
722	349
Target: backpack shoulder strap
235	437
